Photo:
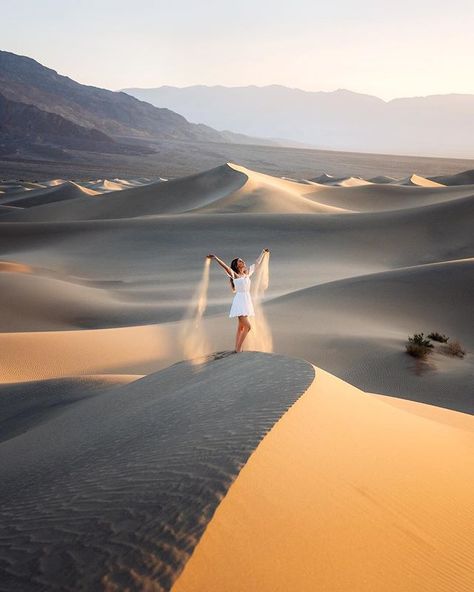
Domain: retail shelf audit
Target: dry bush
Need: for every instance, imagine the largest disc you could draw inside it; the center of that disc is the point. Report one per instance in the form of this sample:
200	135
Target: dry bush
418	346
418	351
435	336
454	348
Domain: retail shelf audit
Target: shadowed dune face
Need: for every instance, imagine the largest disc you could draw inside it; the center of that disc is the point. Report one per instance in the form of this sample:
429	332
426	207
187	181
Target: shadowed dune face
463	178
25	405
124	482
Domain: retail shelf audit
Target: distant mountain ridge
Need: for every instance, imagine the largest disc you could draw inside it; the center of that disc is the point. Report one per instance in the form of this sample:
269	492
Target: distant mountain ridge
64	113
26	128
438	125
25	80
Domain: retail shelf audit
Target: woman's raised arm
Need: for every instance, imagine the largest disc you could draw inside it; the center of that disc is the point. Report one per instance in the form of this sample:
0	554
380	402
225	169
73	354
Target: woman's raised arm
261	256
222	264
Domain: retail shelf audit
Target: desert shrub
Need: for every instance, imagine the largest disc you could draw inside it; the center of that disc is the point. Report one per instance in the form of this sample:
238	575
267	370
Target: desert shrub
418	346
454	348
417	351
419	339
435	336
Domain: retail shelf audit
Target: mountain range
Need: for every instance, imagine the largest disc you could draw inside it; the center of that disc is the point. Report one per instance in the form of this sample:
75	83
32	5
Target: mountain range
51	124
438	125
41	110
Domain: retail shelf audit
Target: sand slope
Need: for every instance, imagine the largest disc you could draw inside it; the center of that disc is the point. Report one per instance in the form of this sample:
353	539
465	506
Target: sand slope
25	405
347	492
59	191
357	328
376	197
124	482
463	178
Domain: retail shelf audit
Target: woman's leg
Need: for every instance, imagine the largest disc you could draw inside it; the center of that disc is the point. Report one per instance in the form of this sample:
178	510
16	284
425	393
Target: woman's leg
240	328
246	326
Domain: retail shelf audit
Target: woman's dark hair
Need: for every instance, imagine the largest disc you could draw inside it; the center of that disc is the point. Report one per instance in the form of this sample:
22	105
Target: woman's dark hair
234	267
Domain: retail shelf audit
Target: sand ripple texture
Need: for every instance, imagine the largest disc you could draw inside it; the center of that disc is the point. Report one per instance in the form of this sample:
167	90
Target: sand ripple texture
114	492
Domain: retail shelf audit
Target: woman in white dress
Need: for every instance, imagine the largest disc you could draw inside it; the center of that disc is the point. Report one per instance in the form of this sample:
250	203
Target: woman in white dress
242	305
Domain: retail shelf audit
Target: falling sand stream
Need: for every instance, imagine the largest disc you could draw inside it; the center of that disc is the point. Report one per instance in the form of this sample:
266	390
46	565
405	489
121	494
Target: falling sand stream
193	336
260	337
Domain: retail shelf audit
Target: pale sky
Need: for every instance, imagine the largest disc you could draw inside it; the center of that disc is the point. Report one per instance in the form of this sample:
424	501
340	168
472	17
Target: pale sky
404	48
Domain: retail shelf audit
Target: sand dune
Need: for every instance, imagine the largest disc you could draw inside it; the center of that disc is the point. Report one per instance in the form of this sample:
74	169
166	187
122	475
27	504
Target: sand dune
326	179
346	492
34	302
116	284
378	198
58	192
419	181
226	189
337	246
353	182
464	178
264	194
106	185
7	209
357	328
381	179
155	198
146	464
54	182
40	355
391	298
190	492
117	456
13	187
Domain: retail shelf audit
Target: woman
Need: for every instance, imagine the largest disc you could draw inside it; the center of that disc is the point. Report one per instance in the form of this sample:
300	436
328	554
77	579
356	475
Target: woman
242	306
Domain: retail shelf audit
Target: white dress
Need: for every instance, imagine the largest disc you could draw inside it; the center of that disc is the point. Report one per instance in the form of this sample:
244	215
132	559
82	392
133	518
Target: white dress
242	303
